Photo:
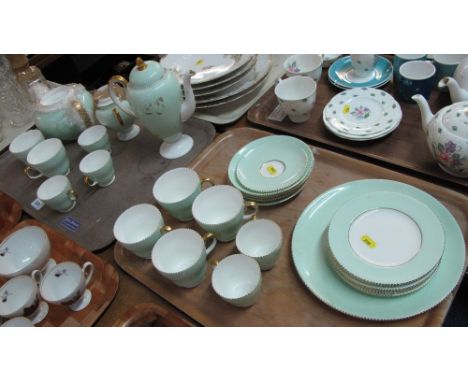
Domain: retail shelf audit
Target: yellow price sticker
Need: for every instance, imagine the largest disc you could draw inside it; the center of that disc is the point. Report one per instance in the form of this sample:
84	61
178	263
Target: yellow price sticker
346	109
366	239
272	170
199	62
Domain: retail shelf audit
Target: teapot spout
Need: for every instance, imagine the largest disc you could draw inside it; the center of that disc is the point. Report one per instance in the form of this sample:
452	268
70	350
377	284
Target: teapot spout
426	113
188	106
457	94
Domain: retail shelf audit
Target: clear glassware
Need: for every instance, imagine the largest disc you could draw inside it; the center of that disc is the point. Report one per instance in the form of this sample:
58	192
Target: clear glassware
14	100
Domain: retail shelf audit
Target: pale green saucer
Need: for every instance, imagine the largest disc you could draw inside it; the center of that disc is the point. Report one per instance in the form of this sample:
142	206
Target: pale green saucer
310	246
422	263
274	164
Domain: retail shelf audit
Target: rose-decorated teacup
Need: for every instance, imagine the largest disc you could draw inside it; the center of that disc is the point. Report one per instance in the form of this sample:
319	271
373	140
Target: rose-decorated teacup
57	193
24	143
139	227
19	297
260	239
66	284
176	191
296	95
25	250
309	65
47	158
112	116
221	211
363	65
98	169
180	256
237	279
94	138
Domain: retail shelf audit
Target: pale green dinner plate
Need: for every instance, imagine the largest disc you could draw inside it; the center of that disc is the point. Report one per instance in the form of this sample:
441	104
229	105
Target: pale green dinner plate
274	164
310	246
428	246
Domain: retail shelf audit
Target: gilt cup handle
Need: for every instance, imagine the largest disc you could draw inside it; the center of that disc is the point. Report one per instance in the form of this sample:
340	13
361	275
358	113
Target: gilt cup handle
79	108
122	83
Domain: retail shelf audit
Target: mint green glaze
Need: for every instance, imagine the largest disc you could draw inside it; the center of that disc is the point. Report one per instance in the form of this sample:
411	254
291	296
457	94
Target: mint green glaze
156	103
182	209
58	124
309	253
432	245
106	117
292	152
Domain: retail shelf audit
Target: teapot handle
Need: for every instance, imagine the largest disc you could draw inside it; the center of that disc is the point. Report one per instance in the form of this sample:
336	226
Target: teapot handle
122	83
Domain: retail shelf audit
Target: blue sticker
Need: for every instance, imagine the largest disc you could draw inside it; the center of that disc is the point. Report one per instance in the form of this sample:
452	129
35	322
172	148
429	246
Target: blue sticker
70	224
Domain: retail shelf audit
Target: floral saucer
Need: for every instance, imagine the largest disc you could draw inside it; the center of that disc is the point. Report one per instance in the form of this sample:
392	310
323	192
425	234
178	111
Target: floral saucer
362	114
341	74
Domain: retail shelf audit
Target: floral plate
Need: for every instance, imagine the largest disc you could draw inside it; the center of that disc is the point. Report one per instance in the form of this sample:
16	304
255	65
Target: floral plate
341	74
310	256
362	114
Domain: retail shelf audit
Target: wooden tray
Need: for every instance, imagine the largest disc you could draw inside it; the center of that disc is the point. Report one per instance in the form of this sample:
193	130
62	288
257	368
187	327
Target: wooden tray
103	285
150	314
10	213
405	147
284	300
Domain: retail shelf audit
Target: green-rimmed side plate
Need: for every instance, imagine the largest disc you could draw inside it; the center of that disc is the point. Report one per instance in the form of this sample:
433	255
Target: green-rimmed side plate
386	238
267	141
310	251
273	164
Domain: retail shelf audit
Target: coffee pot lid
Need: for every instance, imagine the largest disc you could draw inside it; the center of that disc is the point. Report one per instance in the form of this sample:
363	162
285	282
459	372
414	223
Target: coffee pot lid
146	73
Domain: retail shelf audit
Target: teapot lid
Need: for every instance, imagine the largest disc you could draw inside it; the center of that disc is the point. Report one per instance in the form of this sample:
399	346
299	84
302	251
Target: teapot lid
145	73
455	119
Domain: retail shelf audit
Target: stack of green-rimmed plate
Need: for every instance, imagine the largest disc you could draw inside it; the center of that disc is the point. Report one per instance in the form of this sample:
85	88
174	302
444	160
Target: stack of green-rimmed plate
385	243
271	170
378	249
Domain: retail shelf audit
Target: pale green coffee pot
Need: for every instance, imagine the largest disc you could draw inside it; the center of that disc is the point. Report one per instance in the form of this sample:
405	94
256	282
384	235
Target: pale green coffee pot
156	99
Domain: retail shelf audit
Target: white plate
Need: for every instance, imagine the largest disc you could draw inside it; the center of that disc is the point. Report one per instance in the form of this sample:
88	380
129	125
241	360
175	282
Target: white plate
207	67
251	79
232	111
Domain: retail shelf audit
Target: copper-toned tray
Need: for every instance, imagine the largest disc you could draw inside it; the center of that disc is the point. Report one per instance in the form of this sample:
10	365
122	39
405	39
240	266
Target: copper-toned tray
10	213
405	147
103	285
284	300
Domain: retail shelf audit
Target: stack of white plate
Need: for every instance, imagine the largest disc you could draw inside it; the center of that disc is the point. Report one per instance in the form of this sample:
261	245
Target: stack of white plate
221	78
385	243
362	114
271	170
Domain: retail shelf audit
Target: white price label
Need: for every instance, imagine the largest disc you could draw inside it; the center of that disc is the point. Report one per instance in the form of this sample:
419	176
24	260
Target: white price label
37	204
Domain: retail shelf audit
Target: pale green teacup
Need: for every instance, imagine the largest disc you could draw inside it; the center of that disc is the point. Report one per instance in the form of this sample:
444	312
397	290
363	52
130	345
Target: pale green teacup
98	169
180	256
48	158
57	193
94	138
176	191
221	211
139	227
